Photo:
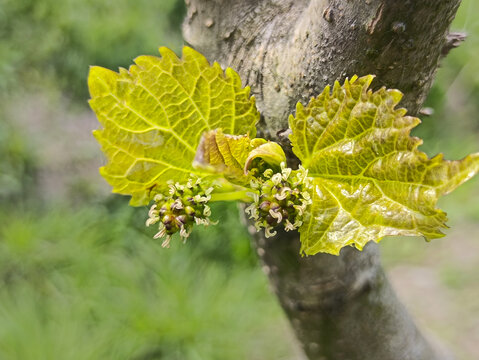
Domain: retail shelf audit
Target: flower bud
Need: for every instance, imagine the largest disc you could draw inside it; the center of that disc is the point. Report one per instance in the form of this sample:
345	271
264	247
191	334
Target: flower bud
178	209
282	198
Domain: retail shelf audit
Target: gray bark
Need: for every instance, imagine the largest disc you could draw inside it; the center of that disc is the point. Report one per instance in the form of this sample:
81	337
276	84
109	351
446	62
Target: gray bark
287	51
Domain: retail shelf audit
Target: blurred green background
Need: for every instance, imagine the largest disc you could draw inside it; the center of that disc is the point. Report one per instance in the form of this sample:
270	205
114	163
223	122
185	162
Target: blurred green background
80	275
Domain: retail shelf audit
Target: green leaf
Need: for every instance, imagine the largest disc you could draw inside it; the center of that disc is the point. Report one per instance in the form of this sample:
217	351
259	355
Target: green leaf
224	154
270	152
233	155
370	179
154	114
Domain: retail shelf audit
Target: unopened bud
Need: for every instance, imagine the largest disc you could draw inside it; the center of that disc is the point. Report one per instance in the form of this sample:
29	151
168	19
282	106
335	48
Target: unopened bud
181	208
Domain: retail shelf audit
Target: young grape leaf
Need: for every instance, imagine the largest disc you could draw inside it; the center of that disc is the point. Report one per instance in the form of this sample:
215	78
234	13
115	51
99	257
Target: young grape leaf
154	114
370	179
269	152
224	154
232	155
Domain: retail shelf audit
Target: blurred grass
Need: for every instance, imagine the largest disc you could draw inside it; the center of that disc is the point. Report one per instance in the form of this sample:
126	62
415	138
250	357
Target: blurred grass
81	278
91	284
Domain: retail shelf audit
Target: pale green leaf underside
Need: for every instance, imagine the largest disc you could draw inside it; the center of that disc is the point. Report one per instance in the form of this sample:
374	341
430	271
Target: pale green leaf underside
370	179
154	114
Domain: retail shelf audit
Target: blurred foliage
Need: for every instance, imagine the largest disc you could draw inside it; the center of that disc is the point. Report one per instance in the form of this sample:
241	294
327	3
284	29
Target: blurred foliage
17	165
56	41
454	126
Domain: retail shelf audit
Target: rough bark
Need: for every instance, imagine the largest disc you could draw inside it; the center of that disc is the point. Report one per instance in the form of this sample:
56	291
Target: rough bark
288	50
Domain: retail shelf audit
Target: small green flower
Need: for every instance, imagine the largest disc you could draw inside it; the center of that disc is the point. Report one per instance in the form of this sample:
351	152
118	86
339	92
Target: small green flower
183	207
281	198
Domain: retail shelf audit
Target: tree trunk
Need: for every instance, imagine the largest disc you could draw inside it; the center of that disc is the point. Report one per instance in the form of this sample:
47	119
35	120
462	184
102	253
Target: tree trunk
287	51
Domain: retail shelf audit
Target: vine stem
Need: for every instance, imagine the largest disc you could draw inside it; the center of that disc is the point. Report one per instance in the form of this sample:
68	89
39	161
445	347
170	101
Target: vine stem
232	196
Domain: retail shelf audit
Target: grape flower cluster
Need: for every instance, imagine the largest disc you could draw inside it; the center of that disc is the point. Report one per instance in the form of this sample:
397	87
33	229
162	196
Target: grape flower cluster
180	209
280	198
